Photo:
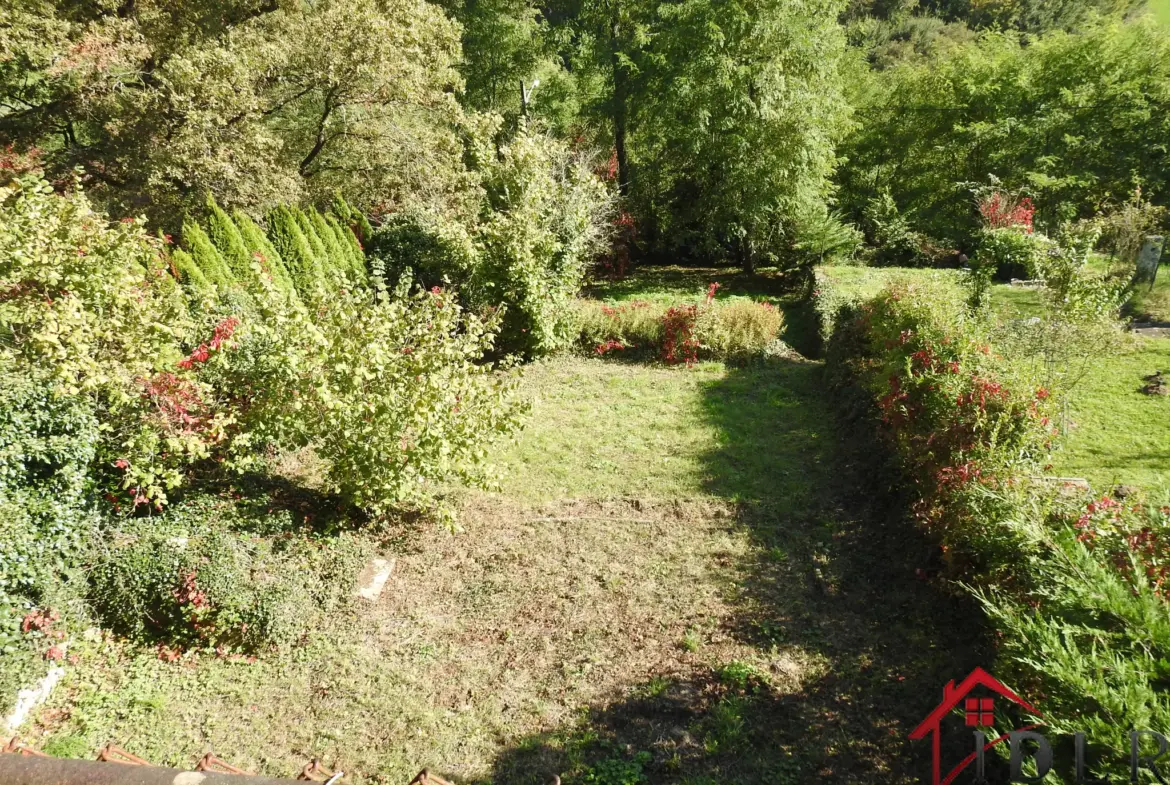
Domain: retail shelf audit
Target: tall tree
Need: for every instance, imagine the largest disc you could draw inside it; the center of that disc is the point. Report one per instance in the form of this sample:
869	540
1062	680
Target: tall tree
743	104
256	101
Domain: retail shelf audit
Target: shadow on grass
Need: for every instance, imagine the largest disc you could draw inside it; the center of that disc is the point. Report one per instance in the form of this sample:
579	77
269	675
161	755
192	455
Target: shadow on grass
857	646
255	498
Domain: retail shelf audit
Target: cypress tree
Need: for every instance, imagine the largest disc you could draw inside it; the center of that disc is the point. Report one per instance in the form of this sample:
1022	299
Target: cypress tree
228	241
352	249
318	247
354	219
257	243
206	257
190	276
338	260
284	230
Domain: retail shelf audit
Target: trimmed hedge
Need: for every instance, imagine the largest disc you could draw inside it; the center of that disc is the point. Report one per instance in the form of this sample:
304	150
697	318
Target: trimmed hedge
1075	588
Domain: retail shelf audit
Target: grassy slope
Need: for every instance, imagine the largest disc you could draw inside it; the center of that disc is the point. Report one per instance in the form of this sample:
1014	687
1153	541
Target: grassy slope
1120	435
675	567
1161	9
1116	433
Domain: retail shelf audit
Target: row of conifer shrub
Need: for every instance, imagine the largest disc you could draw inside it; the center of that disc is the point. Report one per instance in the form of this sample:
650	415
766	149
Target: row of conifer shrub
1074	586
303	252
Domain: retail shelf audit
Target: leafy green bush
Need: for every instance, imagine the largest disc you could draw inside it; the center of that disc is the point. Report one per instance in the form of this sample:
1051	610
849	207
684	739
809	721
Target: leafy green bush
435	251
92	310
390	390
737	328
542	222
1004	252
635	324
1074	291
199	576
890	232
48	444
1009	252
401	400
546	222
1076	591
1093	637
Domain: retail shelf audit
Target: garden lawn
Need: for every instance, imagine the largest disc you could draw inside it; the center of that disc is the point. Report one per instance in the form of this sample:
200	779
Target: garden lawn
1161	9
1118	434
679	581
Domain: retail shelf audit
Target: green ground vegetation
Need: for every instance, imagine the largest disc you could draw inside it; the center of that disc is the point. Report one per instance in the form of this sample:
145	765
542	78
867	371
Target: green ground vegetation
674	584
1152	303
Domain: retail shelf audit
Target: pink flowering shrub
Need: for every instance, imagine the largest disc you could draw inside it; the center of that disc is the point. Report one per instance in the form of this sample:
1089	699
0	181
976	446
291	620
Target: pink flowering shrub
1132	537
1001	210
1074	588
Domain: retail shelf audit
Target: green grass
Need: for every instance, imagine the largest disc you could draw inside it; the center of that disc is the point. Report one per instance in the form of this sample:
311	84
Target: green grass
609	429
1161	10
1016	302
866	282
676	583
1118	434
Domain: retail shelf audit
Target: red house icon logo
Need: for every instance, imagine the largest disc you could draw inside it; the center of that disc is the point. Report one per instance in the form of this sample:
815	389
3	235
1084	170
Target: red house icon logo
979	712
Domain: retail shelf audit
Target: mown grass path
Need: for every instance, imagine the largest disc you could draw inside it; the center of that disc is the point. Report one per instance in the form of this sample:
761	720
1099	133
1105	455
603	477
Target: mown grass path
681	581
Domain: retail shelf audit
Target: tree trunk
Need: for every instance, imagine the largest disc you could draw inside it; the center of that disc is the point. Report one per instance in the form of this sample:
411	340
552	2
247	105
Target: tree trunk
619	108
747	256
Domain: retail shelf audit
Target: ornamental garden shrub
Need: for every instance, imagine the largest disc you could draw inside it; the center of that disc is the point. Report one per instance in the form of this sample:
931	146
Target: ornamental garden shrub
1075	588
1093	635
738	327
545	224
390	388
733	328
400	400
91	310
48	444
635	325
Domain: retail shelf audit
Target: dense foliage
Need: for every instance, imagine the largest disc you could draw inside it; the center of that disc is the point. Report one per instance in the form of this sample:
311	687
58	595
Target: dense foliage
257	101
1075	120
742	107
200	576
126	364
542	223
961	418
736	328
